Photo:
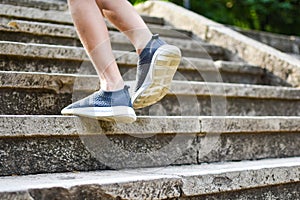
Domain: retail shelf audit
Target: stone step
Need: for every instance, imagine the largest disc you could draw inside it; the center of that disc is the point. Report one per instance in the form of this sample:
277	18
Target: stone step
40	4
39	32
9	12
62	59
42	93
296	56
29	32
66	33
30	146
264	179
284	43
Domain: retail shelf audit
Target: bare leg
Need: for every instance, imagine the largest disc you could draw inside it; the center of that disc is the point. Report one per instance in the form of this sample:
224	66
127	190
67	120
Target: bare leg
88	17
93	33
150	88
123	15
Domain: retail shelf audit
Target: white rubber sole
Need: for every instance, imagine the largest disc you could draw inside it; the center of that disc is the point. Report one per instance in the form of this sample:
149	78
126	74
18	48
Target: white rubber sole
163	67
121	114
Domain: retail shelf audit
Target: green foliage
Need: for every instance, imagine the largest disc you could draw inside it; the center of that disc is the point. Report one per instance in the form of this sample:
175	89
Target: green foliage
279	16
134	2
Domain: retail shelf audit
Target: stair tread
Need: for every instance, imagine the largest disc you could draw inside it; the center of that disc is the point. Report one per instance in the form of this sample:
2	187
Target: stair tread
66	83
61	30
204	50
61	17
58	58
122	57
19	56
29	146
40	4
38	125
163	182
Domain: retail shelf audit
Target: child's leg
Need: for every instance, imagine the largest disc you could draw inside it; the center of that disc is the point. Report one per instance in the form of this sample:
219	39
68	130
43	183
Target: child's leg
158	61
112	102
94	36
123	15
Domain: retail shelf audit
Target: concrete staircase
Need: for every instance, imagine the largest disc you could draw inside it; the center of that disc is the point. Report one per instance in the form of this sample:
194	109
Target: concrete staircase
226	130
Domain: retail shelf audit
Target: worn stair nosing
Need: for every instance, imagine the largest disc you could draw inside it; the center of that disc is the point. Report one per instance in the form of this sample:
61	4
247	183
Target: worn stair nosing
39	4
66	83
55	51
44	51
60	83
28	142
28	125
205	50
68	31
74	126
61	17
182	180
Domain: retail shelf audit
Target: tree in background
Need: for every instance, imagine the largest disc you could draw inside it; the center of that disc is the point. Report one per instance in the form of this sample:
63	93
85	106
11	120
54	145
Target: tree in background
278	16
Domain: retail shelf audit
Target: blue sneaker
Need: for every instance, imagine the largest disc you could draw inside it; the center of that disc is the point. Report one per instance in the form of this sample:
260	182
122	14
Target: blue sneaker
156	68
102	105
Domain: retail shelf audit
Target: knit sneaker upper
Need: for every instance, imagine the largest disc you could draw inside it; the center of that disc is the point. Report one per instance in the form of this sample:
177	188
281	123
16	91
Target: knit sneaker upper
145	59
104	99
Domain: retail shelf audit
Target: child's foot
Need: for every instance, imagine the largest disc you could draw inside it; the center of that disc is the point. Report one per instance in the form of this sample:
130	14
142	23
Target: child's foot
157	65
103	105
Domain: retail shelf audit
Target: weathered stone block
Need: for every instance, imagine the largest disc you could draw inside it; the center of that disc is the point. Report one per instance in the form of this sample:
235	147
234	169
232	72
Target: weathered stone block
233	180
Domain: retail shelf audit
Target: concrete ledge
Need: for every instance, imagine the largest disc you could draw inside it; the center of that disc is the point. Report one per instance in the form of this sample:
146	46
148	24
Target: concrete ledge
156	183
283	191
85	145
26	126
70	53
60	83
234	90
282	65
53	16
249	124
98	185
53	58
38	125
19	12
65	83
67	36
40	28
239	67
68	31
29	146
42	93
40	4
42	51
214	178
288	44
67	53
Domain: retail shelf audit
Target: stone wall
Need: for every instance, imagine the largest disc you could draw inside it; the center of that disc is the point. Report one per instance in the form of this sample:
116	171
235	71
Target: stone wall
285	43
